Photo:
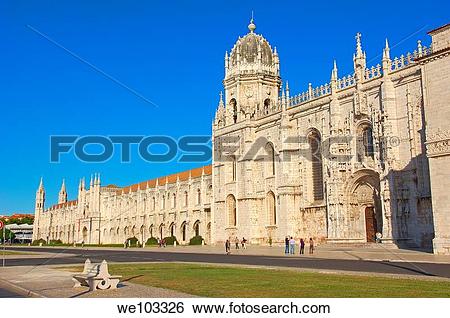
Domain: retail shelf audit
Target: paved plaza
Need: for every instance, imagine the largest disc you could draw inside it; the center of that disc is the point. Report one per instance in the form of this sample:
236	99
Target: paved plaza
34	267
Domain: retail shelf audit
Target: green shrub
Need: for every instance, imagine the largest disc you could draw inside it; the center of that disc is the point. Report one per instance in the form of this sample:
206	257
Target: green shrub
55	242
170	239
37	242
152	241
132	241
196	240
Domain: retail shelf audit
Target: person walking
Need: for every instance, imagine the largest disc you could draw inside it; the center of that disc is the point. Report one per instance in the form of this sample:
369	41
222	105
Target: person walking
286	245
311	246
292	244
302	246
244	243
227	247
236	242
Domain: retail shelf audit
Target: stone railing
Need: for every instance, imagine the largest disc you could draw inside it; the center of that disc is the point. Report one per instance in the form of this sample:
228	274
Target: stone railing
311	93
373	72
251	68
408	59
346	81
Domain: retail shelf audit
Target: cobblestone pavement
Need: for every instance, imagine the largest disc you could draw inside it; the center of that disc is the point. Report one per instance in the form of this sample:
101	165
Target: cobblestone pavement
45	281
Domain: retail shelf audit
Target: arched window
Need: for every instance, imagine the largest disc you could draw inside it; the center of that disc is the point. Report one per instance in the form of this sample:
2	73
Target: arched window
172	229
199	196
197	228
314	142
183	231
271	208
266	106
174	201
365	142
150	230
231	208
270	164
233	105
186	198
161	231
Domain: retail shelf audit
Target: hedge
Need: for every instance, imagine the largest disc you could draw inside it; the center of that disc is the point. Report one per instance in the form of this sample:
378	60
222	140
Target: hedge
152	241
170	239
132	241
196	240
38	242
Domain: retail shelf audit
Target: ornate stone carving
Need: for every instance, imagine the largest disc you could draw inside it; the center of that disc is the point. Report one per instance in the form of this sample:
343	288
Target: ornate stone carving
438	143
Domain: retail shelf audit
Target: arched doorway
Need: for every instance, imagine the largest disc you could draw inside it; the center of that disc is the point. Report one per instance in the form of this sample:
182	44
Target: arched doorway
364	218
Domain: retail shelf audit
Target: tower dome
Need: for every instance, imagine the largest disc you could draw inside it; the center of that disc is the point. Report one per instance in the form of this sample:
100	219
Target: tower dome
251	48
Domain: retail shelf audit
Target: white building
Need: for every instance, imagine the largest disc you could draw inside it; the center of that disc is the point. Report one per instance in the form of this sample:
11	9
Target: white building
364	153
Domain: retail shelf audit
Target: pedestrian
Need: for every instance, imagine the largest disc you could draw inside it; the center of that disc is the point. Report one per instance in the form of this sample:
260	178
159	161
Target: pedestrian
236	242
302	246
286	245
227	247
292	244
244	243
311	246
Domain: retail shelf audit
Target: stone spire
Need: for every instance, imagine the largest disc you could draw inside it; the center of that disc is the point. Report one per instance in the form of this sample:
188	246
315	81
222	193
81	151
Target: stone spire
359	60
40	201
62	197
386	62
334	77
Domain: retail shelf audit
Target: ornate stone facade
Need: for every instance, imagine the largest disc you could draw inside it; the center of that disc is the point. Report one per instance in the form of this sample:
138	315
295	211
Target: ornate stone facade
176	205
340	162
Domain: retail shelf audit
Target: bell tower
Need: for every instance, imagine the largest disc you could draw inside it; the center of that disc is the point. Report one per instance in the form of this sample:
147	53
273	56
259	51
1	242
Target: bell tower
252	78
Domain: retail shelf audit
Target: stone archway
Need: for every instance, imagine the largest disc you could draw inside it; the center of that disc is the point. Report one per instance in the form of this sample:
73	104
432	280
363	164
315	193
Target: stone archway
364	216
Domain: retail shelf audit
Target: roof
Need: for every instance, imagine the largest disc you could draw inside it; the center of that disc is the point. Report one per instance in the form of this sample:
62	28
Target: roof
169	179
63	205
439	29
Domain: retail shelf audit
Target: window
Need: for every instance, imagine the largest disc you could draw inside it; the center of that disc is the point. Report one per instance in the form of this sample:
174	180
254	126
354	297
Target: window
174	201
314	141
199	196
271	208
186	198
365	147
153	203
163	202
270	151
231	207
266	106
233	105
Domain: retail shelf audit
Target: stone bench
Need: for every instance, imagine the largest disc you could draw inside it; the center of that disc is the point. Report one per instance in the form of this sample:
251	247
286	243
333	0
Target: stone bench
96	276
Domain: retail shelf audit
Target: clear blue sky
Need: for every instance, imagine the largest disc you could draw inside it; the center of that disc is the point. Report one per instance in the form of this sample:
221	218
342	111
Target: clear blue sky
172	53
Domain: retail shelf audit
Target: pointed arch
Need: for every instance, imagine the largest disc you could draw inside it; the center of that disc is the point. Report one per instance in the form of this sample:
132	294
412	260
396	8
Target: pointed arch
197	228
271	208
231	208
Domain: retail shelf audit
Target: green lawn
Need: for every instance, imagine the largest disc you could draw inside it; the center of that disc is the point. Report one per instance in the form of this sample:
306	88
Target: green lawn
224	281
